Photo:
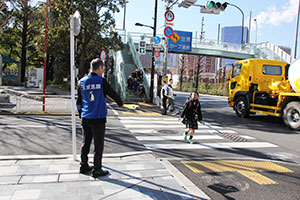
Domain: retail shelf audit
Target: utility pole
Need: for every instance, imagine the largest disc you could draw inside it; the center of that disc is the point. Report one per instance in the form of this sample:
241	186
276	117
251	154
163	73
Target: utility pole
202	31
199	57
165	47
153	59
218	59
48	4
249	30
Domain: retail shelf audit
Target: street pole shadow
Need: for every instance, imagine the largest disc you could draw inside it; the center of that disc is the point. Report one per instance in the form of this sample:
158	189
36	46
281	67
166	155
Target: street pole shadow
223	189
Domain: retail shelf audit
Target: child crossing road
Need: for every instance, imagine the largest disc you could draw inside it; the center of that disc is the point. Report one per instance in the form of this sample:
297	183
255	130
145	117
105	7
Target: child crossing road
191	115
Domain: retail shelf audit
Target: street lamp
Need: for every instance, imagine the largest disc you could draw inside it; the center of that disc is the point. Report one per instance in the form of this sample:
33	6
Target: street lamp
242	41
153	60
139	24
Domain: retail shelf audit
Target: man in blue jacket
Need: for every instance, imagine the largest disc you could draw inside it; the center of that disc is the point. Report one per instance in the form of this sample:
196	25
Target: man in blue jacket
91	105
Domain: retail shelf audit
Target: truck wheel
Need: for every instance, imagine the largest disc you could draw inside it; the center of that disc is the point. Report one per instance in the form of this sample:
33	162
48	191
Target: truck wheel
241	108
291	115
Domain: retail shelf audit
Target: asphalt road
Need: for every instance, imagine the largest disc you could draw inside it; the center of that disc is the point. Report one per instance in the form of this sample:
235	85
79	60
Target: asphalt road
51	135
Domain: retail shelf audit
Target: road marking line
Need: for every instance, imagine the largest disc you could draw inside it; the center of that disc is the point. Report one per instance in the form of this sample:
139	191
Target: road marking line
144	131
246	168
149	118
226	145
147	125
147	121
177	137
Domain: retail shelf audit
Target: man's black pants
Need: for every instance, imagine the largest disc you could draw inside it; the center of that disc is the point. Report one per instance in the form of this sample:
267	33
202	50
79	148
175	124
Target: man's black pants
164	101
93	128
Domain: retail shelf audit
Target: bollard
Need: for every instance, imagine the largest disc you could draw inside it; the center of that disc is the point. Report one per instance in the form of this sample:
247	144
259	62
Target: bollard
18	104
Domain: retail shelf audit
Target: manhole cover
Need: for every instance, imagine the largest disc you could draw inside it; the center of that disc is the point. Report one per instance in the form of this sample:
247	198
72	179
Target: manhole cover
233	137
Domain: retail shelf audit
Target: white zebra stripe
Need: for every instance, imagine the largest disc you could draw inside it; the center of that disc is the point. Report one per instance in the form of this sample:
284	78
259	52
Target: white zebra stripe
226	145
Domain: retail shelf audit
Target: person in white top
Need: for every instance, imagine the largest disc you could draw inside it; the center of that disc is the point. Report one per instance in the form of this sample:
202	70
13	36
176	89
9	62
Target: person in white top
164	96
171	96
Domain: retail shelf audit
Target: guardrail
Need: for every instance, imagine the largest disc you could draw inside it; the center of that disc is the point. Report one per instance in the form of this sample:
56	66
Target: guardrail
34	104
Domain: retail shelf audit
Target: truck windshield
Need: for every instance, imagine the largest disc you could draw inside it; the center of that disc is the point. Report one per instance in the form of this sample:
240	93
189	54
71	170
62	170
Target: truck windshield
236	70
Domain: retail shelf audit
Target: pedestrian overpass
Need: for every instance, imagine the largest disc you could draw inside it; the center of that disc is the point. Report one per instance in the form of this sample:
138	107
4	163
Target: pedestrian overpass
128	60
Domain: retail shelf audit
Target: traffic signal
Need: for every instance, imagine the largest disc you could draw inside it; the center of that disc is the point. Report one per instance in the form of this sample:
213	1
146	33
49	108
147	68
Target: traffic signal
142	47
217	5
210	4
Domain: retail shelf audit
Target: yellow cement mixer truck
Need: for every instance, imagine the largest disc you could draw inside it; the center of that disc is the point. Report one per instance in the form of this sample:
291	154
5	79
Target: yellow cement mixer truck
269	87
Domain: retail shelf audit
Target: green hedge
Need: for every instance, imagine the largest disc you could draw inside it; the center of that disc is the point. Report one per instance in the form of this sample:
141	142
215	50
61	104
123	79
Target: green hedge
206	88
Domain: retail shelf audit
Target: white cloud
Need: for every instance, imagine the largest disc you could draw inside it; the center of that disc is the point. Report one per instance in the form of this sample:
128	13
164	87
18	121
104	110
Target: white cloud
276	15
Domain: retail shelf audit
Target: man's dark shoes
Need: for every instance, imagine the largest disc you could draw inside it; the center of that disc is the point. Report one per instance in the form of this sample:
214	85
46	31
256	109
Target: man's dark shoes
85	169
99	172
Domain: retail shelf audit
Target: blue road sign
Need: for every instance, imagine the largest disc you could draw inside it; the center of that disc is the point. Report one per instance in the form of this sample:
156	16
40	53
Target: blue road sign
168	31
156	40
182	41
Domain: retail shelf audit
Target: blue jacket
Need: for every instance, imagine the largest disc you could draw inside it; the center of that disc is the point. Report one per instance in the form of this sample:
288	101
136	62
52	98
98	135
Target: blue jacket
93	100
92	91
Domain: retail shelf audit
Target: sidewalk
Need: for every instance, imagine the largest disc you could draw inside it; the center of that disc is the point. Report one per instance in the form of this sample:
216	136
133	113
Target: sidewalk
31	103
132	177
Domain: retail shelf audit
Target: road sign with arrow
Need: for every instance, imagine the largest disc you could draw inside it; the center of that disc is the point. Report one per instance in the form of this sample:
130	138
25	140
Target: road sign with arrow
180	41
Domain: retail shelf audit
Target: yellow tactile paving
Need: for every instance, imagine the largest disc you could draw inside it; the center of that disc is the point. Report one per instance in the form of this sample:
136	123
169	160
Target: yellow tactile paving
246	168
145	104
131	106
138	112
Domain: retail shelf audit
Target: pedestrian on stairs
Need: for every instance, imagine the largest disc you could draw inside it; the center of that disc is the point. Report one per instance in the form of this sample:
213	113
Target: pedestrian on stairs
191	115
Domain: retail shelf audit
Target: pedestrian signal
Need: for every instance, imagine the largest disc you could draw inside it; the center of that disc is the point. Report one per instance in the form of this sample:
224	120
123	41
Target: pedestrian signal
142	47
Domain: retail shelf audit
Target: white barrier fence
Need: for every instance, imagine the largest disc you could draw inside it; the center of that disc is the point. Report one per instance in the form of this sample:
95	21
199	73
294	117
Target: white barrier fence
34	104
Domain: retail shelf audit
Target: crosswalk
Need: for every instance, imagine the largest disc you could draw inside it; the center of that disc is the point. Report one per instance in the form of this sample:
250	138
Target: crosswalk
166	133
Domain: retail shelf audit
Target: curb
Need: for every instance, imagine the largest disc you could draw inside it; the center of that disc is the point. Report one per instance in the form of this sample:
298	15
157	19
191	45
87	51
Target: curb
185	182
70	156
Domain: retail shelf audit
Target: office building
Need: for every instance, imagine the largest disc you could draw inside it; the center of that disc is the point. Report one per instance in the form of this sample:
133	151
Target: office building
232	34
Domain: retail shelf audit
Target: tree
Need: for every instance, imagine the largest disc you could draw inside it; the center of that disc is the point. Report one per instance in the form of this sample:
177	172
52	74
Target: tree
96	34
19	32
198	71
182	68
5	12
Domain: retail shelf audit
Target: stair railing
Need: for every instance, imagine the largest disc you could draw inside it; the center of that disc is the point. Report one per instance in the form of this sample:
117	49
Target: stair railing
137	62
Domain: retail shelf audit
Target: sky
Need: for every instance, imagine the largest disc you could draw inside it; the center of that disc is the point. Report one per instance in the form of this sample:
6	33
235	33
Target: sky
276	19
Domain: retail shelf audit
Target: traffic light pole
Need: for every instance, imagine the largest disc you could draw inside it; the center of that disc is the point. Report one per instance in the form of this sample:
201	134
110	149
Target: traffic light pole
242	40
153	59
165	47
